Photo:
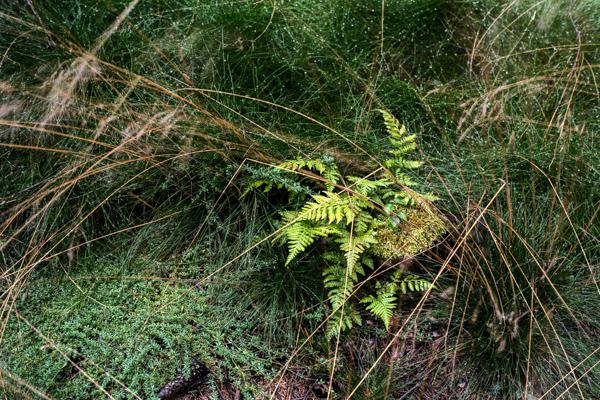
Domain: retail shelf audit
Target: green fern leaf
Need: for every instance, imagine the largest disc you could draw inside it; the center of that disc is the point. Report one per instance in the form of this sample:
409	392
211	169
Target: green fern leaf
413	283
326	170
402	144
354	245
301	234
340	323
339	285
366	187
392	125
383	304
330	207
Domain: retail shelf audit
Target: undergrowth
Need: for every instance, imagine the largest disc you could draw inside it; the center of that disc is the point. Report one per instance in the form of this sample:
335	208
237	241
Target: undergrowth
130	132
130	331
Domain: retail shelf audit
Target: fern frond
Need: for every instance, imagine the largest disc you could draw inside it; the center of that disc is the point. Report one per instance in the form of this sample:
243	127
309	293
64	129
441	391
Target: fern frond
340	323
366	187
329	207
407	164
383	304
367	261
339	286
402	144
328	171
339	282
354	245
403	141
301	234
363	222
413	283
394	129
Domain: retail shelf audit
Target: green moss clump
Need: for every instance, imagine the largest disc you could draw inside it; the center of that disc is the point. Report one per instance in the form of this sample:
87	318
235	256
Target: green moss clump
421	227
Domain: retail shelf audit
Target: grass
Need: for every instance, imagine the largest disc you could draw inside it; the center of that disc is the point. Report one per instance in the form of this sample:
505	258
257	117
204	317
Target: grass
130	130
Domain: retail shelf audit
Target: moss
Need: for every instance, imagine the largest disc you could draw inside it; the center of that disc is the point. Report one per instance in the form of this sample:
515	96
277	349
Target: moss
421	227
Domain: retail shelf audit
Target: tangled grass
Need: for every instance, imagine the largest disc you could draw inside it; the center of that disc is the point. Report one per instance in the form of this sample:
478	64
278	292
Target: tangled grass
129	130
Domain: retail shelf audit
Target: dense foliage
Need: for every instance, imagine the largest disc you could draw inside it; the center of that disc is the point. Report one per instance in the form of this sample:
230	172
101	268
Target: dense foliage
357	216
212	181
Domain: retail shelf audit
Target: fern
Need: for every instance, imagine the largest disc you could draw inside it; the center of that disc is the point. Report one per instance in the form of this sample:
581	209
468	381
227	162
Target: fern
300	235
413	283
383	304
367	187
330	207
403	145
354	245
339	282
385	299
339	285
354	216
364	222
326	170
341	322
